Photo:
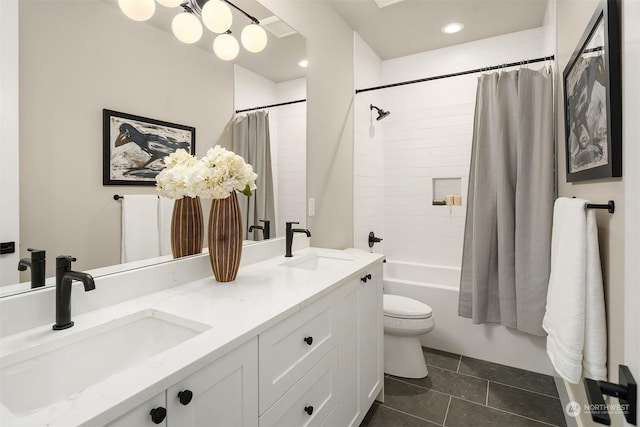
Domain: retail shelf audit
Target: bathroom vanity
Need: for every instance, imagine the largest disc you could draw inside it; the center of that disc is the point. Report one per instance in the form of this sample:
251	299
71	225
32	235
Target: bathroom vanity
291	342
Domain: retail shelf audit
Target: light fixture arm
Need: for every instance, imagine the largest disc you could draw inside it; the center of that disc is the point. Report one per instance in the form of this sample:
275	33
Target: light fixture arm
252	18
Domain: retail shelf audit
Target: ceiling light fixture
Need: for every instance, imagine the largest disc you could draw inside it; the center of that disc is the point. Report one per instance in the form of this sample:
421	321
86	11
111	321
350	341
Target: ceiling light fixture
215	15
452	28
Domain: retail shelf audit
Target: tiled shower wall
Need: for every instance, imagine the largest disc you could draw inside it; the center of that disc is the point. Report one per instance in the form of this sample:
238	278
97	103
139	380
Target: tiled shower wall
287	129
428	135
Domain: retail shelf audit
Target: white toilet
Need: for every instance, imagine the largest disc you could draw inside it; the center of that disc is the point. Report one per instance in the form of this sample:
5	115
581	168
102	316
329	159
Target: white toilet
405	319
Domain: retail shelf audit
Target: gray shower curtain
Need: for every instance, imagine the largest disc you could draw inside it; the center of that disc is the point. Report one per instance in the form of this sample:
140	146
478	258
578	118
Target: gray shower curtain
251	141
507	238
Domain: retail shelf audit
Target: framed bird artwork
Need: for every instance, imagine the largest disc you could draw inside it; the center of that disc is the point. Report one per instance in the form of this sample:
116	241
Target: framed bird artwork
134	147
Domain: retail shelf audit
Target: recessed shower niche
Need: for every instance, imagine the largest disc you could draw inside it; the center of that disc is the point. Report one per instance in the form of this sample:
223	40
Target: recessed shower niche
446	191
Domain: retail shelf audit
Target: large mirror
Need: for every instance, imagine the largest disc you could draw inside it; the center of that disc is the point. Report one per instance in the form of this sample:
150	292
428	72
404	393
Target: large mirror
77	58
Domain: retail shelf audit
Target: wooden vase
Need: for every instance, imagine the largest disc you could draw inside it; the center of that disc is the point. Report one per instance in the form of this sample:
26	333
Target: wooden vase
187	227
225	238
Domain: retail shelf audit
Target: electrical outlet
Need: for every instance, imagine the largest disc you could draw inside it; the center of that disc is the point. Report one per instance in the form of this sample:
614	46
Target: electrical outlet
312	207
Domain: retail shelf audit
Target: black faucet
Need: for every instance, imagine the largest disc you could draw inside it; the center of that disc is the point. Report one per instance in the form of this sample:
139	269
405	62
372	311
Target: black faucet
289	236
37	265
64	277
266	229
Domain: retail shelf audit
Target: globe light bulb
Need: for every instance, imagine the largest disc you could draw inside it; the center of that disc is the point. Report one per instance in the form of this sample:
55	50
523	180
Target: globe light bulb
226	47
170	3
254	38
186	27
138	10
217	16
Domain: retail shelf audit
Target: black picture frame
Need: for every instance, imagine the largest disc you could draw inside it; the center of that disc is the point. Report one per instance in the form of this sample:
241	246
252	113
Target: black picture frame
134	146
593	100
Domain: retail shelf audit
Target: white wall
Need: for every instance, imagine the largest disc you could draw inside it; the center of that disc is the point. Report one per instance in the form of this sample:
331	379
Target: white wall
9	187
428	135
330	93
287	131
368	164
76	58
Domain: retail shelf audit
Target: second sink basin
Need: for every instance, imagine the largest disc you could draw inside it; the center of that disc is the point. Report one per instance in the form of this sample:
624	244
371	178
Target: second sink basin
320	261
37	377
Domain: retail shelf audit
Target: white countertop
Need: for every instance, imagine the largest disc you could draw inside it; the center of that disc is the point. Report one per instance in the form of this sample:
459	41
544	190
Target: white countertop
262	295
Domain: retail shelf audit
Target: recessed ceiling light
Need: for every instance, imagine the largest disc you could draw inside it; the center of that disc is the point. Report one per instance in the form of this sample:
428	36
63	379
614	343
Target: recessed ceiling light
303	63
454	27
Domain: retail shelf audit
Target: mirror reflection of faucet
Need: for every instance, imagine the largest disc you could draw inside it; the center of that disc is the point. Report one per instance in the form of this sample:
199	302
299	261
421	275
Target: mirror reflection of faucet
37	265
266	229
289	236
64	277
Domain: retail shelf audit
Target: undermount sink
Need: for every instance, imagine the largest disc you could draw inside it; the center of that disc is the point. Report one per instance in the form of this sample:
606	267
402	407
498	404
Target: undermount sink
39	376
320	261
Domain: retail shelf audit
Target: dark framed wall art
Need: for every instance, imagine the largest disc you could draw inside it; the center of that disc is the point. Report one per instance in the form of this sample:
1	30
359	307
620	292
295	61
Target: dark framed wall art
134	147
593	99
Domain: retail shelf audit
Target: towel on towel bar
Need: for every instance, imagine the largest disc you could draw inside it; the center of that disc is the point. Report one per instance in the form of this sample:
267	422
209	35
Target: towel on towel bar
140	236
575	316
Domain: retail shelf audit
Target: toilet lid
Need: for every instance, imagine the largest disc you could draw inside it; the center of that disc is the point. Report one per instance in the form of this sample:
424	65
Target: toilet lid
405	308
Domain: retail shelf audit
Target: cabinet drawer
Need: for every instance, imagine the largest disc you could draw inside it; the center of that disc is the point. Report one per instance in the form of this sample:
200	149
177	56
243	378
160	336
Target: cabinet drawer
289	349
311	400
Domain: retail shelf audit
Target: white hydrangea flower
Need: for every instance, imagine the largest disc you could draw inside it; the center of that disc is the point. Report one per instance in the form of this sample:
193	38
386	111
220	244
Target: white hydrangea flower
215	176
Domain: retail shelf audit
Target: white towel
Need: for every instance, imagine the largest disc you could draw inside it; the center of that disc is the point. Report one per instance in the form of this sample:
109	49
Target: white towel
575	316
140	238
165	211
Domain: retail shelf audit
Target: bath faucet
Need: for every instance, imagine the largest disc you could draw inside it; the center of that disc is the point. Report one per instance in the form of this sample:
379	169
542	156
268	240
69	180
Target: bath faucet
266	229
64	277
289	236
37	265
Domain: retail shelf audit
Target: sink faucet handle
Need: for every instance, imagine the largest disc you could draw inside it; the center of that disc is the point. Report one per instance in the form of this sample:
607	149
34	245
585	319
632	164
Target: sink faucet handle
64	261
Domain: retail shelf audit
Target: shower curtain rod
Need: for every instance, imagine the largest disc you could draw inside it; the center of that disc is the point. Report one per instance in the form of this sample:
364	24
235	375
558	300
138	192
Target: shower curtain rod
272	105
461	73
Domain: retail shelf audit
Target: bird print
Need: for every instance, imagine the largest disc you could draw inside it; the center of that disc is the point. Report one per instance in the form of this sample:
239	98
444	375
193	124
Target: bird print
155	146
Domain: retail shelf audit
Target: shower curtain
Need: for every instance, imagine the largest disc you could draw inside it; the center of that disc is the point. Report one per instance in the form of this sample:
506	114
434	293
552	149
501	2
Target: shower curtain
507	238
251	141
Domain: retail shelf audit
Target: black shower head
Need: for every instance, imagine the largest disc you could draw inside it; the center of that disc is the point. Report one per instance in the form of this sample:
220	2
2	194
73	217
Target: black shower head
381	113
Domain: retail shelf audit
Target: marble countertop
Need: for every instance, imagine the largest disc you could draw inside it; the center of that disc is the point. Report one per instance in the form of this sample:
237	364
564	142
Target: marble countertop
263	294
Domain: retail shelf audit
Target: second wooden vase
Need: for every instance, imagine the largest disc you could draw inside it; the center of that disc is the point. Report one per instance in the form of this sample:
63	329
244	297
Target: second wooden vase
225	238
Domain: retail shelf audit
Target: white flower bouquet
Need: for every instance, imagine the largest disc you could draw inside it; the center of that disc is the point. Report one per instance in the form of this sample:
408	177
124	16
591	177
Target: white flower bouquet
215	176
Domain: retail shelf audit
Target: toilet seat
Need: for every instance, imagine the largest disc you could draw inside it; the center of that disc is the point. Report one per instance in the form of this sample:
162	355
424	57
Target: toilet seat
400	307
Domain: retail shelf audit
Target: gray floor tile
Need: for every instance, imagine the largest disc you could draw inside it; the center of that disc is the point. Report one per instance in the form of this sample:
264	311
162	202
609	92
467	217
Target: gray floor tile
423	403
381	416
465	414
458	385
507	375
521	402
441	359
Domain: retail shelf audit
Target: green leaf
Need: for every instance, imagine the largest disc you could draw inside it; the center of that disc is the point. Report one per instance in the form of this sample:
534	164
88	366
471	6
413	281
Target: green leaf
247	190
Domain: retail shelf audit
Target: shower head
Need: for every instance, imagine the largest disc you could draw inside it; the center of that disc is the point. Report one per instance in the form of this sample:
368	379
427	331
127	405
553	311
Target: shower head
381	113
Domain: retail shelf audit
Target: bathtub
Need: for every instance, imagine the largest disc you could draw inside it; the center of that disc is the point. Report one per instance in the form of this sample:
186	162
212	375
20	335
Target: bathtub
438	287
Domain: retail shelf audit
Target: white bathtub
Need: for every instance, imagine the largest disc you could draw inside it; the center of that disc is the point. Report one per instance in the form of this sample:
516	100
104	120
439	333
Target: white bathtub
438	286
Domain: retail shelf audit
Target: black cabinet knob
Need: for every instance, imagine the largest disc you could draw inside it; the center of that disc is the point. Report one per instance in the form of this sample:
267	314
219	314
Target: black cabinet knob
309	340
364	279
158	415
368	276
308	409
185	396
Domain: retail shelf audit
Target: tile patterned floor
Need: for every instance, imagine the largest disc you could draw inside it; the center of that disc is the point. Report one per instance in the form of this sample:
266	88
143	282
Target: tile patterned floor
461	392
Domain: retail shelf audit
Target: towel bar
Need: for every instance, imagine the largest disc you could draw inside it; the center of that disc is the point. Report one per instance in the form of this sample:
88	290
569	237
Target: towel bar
609	206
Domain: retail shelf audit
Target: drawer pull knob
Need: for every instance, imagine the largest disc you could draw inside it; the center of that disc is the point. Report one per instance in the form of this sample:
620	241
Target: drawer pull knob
364	279
158	415
309	340
369	276
185	397
308	409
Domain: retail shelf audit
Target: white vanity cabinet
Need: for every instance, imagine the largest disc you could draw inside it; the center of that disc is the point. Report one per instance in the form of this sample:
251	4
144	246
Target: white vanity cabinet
223	393
321	366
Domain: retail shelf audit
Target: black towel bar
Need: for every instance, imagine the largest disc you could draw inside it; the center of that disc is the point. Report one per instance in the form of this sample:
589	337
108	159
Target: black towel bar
609	206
